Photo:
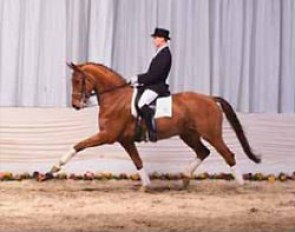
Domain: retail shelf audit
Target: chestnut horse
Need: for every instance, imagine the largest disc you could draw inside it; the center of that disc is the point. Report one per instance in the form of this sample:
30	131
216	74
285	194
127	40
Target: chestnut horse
195	116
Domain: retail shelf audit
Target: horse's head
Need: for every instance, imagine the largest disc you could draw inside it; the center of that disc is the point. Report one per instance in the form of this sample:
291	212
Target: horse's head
81	86
90	77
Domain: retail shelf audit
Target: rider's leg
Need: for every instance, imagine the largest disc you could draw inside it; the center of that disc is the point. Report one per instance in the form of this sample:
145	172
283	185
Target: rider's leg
145	100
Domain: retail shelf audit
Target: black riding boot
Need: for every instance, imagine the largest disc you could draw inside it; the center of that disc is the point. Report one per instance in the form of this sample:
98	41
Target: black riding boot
139	133
148	116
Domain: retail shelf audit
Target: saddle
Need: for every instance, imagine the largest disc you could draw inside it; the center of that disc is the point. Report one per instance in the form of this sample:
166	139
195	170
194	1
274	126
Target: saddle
160	107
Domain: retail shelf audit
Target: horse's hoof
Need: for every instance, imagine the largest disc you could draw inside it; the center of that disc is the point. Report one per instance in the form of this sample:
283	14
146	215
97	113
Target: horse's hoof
47	176
55	169
241	184
185	182
145	189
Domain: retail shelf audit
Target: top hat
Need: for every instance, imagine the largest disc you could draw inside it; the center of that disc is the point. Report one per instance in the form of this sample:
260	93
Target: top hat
161	32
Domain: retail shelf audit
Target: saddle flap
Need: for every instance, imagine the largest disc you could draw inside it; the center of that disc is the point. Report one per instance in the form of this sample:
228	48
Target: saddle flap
163	106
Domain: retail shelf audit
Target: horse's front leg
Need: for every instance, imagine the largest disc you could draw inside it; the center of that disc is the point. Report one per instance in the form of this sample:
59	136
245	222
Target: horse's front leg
131	149
93	141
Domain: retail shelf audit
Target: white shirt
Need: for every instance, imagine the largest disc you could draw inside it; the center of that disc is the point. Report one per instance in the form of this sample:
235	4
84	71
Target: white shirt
160	49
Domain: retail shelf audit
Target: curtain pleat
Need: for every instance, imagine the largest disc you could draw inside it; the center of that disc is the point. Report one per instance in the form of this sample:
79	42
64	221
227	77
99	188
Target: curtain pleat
241	50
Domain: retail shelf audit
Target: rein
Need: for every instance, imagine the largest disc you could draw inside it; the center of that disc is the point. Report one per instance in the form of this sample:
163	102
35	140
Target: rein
111	89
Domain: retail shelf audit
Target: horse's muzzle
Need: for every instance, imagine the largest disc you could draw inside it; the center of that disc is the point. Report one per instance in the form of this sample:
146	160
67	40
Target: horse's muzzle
76	107
79	105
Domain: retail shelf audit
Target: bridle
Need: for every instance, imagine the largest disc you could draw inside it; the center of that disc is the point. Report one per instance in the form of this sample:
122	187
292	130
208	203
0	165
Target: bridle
86	96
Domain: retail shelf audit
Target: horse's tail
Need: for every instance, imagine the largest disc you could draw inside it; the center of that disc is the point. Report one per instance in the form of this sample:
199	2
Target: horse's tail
237	127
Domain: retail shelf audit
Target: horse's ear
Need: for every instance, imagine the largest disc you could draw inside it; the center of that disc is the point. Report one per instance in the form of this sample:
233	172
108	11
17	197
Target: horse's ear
74	67
70	65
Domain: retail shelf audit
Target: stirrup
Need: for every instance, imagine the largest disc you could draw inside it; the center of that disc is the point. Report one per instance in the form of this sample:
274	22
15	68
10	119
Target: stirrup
152	136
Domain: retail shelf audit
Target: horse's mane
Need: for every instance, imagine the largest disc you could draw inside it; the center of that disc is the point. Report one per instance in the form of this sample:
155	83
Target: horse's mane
106	68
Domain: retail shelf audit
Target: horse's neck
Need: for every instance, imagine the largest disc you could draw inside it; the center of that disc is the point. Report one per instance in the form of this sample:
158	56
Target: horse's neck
117	100
105	79
107	83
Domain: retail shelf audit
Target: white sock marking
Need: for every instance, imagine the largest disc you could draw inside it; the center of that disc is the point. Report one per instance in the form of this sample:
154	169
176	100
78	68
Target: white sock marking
237	174
192	167
66	158
144	177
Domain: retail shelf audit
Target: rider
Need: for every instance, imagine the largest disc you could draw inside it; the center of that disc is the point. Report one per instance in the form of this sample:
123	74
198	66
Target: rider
153	83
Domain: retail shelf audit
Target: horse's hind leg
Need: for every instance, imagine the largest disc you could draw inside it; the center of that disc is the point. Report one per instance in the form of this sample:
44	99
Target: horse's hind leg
202	152
229	157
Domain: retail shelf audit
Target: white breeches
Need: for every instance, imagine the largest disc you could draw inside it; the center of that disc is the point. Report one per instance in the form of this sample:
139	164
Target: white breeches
147	98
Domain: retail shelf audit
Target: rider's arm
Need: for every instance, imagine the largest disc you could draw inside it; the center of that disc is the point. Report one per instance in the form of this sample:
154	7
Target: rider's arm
157	67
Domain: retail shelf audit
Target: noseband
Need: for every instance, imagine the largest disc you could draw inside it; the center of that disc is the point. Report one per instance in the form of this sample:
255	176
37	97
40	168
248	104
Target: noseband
83	93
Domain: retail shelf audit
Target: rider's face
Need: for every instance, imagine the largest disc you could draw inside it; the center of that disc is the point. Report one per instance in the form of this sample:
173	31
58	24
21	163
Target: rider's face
159	41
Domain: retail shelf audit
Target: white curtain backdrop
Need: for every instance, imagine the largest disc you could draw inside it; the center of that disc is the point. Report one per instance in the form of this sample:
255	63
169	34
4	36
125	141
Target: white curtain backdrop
241	50
38	37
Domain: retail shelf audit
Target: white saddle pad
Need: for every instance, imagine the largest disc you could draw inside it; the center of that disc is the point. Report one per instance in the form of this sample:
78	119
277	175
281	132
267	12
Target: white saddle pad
163	106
